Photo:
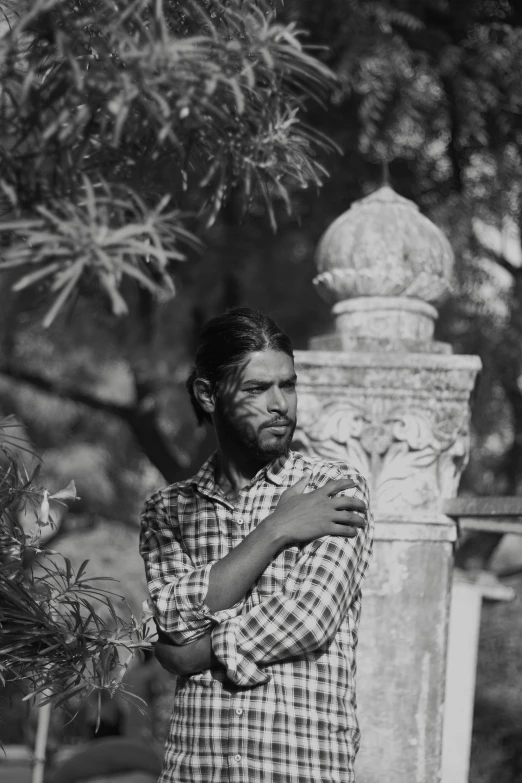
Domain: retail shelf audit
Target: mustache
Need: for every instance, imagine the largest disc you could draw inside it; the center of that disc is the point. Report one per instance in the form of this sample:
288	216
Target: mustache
279	422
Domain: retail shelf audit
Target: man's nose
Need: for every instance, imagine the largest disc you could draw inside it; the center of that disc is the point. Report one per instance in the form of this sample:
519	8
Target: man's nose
277	401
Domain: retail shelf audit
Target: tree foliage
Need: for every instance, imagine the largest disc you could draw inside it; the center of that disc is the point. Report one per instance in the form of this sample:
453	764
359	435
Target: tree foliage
60	632
424	73
111	110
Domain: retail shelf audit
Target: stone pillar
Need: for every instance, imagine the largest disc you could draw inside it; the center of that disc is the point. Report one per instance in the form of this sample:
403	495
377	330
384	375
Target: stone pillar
381	394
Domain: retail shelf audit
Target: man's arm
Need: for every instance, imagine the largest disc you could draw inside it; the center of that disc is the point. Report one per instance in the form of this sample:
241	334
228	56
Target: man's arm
304	614
188	601
188	658
177	588
298	518
298	619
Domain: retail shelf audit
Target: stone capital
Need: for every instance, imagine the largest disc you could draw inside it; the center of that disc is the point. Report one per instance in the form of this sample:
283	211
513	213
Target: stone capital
402	420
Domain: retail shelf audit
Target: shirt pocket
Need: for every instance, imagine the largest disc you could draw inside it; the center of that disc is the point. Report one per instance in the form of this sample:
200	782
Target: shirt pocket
203	530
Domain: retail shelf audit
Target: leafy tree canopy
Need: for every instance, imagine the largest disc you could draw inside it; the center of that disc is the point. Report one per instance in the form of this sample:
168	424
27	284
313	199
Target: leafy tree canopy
123	123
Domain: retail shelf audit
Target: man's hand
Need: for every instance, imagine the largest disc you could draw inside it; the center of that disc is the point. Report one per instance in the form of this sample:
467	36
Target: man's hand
302	517
186	659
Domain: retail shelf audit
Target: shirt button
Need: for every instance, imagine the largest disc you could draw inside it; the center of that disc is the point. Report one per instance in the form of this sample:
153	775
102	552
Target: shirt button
237	757
239	521
239	711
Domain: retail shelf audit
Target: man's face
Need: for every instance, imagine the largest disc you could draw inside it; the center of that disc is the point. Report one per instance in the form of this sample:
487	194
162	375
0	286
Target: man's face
256	407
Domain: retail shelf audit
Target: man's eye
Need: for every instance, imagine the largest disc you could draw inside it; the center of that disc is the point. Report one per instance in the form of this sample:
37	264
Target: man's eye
289	385
255	390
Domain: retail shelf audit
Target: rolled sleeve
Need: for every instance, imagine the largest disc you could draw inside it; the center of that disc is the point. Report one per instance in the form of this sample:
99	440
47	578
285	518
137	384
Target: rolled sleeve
306	613
177	588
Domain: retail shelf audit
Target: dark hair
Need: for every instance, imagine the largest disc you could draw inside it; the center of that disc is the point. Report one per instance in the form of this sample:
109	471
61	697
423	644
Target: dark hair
226	341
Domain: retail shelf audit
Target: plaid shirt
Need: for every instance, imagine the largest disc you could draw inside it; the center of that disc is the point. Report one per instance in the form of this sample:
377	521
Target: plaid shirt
283	708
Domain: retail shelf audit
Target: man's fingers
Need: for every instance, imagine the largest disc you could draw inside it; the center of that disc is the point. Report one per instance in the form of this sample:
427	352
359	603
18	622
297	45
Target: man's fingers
348	503
352	520
334	486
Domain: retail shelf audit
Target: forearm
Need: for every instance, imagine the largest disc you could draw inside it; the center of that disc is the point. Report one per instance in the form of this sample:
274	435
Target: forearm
185	606
231	577
298	619
186	659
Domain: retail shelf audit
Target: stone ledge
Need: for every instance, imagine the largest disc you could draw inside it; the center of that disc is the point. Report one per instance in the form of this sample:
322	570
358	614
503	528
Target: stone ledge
423	528
344	342
391	360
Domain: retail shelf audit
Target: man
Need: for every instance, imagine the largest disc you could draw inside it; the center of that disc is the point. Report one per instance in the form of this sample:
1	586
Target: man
255	568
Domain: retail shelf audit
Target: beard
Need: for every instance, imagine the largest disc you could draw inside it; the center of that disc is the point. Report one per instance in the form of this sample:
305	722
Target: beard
259	442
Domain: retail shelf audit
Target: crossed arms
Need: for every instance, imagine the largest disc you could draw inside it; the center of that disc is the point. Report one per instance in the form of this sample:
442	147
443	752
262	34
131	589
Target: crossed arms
205	625
186	659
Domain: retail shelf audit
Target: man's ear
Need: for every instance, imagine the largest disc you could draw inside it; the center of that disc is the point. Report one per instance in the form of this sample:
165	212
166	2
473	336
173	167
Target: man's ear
204	395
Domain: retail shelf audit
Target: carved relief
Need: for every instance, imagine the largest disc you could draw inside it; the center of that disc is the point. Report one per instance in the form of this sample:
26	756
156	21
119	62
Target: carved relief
410	460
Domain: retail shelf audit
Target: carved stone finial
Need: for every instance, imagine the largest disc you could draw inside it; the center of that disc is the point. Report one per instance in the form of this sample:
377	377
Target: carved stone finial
382	264
384	246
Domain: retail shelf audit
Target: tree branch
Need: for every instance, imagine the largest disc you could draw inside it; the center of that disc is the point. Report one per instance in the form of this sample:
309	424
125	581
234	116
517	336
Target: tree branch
453	115
64	391
142	419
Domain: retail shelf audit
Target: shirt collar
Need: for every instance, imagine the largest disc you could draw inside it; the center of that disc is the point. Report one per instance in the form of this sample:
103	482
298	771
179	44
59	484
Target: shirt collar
205	478
275	471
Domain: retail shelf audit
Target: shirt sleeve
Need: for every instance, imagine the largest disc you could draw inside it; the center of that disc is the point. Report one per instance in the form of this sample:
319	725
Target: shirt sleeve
177	588
307	612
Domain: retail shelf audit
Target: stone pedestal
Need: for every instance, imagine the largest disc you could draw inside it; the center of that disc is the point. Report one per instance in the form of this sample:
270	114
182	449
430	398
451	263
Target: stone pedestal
401	419
381	394
401	655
